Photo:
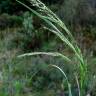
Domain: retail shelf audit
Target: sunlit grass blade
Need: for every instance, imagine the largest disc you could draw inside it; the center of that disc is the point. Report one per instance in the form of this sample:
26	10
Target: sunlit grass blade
54	54
65	76
78	85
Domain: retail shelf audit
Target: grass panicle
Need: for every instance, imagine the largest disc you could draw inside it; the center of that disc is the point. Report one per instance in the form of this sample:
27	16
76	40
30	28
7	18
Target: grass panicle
55	25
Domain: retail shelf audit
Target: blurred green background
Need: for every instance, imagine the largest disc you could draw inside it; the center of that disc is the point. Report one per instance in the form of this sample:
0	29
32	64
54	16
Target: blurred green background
21	32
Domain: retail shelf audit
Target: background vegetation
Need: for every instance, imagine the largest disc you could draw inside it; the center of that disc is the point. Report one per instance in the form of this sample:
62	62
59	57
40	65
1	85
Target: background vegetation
21	32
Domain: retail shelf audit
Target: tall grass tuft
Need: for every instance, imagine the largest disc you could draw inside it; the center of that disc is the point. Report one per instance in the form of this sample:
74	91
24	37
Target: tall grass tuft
55	25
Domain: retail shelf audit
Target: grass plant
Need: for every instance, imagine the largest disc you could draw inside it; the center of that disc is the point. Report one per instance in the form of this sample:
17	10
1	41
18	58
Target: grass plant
55	25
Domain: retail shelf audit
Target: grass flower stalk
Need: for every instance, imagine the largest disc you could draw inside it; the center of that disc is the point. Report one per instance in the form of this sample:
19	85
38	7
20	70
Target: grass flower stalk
55	25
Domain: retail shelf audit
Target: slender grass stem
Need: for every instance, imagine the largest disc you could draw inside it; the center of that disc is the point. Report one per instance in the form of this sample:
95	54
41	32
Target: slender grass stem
54	22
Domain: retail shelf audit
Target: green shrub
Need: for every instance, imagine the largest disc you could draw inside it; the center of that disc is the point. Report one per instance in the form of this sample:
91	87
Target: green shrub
7	21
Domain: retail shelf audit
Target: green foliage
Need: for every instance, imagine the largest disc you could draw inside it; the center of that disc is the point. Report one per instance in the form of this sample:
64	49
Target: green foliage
80	12
7	21
4	5
28	22
9	6
67	13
